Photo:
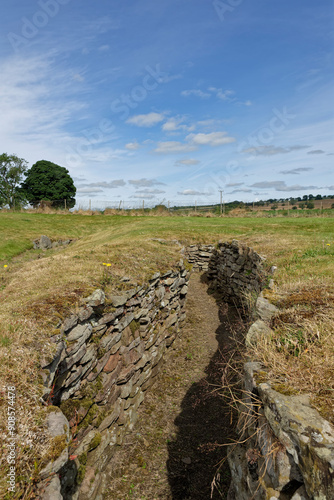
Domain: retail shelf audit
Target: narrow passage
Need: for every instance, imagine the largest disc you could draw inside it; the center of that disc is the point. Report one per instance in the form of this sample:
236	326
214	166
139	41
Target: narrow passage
173	453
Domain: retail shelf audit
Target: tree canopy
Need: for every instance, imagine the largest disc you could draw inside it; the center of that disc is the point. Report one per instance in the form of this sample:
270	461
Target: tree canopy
12	169
49	182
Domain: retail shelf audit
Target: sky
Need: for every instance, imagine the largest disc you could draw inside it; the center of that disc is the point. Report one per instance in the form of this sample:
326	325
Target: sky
174	100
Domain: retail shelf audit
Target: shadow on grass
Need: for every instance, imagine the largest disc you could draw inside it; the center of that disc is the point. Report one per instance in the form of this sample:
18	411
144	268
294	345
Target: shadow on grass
205	423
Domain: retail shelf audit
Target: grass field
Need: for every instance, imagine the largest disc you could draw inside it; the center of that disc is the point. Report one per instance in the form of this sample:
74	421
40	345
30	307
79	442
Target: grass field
37	288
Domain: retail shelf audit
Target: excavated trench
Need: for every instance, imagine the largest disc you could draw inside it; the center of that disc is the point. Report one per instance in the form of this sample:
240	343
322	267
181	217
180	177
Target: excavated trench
176	450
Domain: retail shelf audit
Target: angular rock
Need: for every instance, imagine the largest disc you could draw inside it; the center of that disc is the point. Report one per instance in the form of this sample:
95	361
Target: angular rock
85	313
111	363
45	242
256	332
69	323
110	317
51	489
80	333
57	425
97	298
307	437
68	362
119	300
265	309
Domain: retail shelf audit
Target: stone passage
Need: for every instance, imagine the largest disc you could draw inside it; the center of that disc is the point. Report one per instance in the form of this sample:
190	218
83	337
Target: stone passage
173	451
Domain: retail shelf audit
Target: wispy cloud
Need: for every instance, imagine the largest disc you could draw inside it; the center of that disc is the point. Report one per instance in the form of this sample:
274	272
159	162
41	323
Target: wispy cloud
226	95
187	162
316	152
89	191
272	150
223	95
240	190
296	171
106	185
148	120
175	124
132	146
150	191
212	139
193	192
145	182
281	186
168	147
143	196
196	93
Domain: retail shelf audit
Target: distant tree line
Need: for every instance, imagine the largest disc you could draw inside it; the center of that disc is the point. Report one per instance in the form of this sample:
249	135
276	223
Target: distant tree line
43	182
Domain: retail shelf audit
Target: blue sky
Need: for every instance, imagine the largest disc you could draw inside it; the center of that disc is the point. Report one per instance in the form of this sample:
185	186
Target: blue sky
172	100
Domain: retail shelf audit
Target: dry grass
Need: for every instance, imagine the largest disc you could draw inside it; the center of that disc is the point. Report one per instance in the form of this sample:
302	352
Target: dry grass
299	356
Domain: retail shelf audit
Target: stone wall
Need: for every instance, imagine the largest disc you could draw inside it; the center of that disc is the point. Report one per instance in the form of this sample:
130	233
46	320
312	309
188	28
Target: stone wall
107	355
234	269
286	448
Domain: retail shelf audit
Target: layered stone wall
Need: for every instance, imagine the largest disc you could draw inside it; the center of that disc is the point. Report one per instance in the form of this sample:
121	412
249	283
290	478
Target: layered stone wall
107	356
286	449
234	269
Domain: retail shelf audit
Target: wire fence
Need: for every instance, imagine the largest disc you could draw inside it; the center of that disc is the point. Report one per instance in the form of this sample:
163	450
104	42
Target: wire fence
93	204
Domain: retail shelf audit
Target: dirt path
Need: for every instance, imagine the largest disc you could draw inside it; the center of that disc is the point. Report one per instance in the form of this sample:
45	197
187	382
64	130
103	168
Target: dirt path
173	452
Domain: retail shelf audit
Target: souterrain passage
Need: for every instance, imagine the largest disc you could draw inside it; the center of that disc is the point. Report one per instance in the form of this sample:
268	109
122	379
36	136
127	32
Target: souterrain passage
175	450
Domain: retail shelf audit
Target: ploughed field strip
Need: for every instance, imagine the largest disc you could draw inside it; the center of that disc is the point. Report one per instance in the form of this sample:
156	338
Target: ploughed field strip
175	449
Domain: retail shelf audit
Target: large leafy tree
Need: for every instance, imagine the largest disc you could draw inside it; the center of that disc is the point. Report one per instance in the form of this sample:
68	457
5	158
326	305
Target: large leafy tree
49	182
12	169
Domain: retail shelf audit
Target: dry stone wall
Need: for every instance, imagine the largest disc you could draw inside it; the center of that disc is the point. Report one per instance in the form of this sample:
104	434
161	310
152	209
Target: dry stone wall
234	269
107	356
286	449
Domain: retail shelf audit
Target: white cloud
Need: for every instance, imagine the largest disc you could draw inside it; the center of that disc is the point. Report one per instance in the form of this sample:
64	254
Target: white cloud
272	150
281	186
212	139
187	162
240	190
224	95
143	196
145	182
107	185
193	192
148	120
132	146
89	190
173	147
196	92
150	191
